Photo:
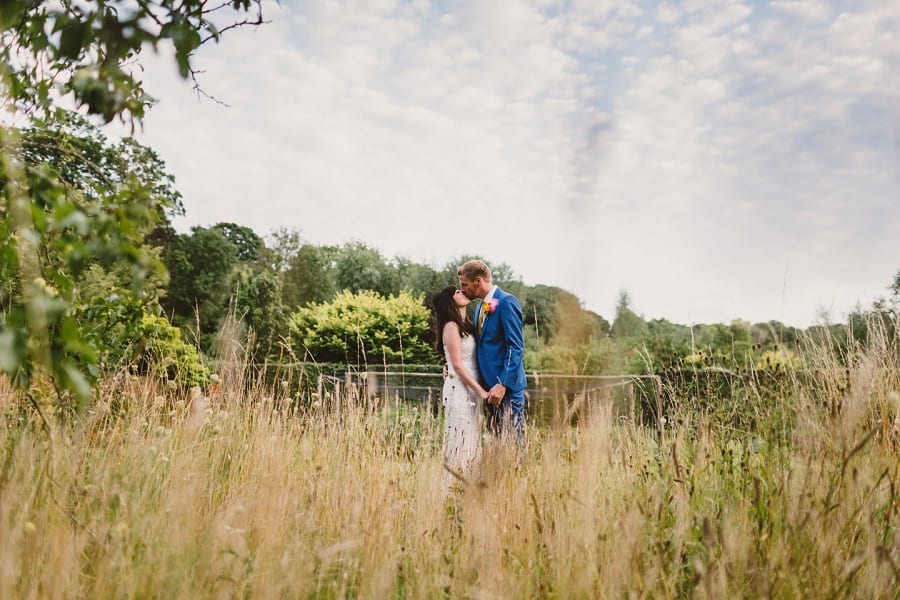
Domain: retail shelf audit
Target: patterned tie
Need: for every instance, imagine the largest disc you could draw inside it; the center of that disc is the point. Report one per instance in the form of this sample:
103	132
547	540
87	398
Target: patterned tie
484	310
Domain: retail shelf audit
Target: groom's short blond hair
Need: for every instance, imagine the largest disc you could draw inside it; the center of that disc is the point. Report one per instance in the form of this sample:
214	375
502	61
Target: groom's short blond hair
474	268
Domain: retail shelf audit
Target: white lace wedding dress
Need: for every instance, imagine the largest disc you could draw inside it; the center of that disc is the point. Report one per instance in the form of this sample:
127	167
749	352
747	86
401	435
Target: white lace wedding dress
462	418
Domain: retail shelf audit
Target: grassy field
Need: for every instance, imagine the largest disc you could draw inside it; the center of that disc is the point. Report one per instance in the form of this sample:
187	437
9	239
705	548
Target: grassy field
152	495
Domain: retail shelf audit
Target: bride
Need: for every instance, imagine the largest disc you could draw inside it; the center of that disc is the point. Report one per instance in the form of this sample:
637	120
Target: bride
462	396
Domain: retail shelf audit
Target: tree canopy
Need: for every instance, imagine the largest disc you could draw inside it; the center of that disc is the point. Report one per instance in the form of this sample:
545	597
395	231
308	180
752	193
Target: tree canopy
88	51
70	201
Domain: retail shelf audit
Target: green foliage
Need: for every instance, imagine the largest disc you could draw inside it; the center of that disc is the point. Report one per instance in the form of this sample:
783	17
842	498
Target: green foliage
248	245
627	324
54	230
658	353
85	51
365	328
420	279
538	310
359	268
257	300
894	288
69	201
221	270
306	279
161	351
80	154
604	355
773	332
731	342
572	325
200	265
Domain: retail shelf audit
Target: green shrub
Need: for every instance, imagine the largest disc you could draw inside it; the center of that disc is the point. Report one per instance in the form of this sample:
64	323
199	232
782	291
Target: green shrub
365	328
163	353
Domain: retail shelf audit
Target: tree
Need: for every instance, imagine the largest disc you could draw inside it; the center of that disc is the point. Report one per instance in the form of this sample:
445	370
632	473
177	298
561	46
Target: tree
574	325
248	244
420	279
732	342
51	231
87	51
627	323
283	245
73	209
257	300
308	279
539	310
358	267
86	161
892	304
501	273
200	266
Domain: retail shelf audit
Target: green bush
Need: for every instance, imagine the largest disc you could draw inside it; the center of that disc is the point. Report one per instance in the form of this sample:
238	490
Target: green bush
365	328
163	353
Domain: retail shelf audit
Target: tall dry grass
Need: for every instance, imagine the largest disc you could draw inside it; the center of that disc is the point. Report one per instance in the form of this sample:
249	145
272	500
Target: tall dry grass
152	495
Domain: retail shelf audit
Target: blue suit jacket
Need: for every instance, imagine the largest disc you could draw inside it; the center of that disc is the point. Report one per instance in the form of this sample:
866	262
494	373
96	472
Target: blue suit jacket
500	346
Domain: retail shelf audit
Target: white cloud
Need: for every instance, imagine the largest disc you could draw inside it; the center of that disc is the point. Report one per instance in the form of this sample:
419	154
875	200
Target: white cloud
716	160
807	10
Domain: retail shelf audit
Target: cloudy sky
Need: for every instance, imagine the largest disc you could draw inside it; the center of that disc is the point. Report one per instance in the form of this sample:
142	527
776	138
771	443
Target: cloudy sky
717	159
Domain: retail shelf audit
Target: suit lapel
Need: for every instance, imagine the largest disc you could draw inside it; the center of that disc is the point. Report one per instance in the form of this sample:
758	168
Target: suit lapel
498	293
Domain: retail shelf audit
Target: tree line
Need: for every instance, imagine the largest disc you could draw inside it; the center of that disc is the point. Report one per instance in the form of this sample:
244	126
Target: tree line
133	290
95	279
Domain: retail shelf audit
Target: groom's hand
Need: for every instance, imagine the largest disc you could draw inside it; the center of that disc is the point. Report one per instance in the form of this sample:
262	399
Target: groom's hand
496	393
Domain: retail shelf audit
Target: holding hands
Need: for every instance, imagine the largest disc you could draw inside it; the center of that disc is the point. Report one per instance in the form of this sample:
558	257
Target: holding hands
495	395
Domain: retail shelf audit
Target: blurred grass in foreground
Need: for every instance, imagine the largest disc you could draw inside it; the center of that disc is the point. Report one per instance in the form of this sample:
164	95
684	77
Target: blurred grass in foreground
153	495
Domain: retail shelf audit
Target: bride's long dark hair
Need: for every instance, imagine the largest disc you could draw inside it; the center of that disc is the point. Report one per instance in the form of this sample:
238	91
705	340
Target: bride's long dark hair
444	310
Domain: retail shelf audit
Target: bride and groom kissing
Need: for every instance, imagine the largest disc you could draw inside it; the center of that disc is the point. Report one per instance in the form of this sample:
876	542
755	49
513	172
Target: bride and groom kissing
484	370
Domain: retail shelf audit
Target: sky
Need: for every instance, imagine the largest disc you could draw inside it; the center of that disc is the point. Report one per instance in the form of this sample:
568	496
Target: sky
716	159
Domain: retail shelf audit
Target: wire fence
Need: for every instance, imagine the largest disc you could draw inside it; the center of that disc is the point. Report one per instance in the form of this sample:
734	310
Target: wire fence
550	398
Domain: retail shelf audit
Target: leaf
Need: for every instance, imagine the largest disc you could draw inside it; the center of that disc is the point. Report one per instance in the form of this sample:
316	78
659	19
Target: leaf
75	382
76	220
10	358
72	39
44	309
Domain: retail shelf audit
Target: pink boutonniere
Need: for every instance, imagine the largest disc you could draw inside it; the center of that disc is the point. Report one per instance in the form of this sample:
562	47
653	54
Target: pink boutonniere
491	306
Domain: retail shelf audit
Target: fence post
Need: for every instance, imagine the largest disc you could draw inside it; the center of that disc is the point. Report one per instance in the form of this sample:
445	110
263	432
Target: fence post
371	389
319	390
337	396
557	417
351	389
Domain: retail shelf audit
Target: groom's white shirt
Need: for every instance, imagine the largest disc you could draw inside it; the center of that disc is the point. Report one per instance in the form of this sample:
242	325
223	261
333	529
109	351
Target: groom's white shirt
490	294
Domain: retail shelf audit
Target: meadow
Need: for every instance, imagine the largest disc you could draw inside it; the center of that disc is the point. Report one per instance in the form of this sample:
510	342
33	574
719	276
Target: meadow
243	494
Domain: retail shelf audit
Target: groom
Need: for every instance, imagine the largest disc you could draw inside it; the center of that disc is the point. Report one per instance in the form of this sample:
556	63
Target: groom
500	348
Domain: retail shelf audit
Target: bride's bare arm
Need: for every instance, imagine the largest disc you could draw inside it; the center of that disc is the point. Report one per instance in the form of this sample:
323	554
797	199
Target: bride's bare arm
453	344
